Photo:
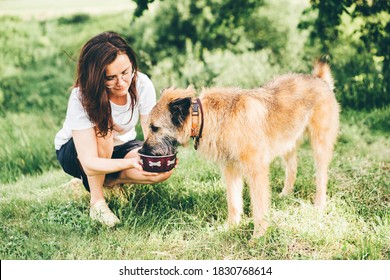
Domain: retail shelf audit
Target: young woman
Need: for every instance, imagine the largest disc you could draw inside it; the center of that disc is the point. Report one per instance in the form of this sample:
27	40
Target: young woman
97	142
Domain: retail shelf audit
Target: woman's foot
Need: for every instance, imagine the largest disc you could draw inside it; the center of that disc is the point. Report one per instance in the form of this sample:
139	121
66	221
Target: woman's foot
100	212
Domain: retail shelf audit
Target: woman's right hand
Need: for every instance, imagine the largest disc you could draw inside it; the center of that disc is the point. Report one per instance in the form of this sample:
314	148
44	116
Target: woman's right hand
137	176
134	163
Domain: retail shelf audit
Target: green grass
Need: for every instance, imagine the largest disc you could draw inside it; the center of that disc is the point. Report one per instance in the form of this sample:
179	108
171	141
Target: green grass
27	145
46	217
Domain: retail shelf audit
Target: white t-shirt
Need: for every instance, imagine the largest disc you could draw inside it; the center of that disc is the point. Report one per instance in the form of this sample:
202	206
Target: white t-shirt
77	118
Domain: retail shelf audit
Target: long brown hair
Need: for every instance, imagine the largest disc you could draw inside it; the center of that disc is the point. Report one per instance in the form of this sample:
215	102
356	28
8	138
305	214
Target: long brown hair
95	56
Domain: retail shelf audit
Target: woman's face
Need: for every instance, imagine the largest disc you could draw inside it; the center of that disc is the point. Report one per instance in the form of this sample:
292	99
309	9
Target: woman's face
119	75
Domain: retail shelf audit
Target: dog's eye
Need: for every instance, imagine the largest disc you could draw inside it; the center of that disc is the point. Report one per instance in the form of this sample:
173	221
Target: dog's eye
154	128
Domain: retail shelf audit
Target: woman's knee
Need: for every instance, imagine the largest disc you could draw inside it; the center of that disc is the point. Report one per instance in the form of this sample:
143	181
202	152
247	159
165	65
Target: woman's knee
105	145
132	153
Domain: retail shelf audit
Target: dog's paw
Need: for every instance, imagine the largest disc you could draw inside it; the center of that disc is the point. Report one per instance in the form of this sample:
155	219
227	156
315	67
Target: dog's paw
260	229
255	239
231	225
285	193
320	202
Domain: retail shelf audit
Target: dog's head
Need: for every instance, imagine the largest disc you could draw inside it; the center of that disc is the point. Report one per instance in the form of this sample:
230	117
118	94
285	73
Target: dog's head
170	122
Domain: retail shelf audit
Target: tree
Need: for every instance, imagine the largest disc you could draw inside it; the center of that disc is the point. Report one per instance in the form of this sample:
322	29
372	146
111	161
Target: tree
205	24
372	21
212	23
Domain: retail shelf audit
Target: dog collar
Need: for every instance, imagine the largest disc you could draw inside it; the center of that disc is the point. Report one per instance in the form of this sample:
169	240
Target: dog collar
197	115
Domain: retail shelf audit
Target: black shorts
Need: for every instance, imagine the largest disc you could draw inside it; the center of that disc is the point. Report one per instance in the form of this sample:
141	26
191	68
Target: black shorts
67	156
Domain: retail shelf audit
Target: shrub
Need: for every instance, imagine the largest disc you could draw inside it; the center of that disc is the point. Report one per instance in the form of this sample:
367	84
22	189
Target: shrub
74	19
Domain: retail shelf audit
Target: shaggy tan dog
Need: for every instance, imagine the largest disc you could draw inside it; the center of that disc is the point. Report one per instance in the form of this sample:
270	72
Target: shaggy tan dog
245	129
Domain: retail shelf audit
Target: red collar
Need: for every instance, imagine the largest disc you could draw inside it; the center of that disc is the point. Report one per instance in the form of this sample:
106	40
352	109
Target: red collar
197	110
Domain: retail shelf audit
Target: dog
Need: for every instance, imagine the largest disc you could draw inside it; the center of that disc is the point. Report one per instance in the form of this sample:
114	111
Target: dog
243	130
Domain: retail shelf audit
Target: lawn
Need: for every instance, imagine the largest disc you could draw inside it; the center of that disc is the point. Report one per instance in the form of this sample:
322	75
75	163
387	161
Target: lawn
46	216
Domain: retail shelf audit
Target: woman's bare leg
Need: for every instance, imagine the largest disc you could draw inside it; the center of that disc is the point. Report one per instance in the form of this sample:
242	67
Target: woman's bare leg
99	209
105	148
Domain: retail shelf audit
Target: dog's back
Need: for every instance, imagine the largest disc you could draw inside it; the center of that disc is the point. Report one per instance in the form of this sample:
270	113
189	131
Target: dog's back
277	114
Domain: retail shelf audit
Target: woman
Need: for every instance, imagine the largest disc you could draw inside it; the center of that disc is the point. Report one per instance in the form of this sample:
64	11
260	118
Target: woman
97	141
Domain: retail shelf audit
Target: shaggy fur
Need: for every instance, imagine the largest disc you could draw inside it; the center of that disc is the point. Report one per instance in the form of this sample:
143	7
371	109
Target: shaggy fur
245	129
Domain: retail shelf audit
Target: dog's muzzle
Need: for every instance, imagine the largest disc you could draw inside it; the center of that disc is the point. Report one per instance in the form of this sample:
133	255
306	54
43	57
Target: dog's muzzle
167	146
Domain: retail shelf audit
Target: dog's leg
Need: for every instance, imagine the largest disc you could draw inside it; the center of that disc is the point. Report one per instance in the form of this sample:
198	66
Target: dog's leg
323	134
322	160
260	197
234	184
290	161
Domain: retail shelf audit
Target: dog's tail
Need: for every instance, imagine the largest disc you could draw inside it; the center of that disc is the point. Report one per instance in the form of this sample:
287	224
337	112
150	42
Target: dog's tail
322	71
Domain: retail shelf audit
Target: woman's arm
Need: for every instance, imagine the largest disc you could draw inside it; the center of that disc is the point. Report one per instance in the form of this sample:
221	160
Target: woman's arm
86	146
144	120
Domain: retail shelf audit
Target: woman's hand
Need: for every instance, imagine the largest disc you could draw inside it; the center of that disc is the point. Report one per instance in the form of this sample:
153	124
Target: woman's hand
135	163
137	176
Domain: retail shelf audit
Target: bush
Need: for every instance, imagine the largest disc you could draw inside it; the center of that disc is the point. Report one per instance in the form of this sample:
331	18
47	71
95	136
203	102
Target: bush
190	44
356	34
74	19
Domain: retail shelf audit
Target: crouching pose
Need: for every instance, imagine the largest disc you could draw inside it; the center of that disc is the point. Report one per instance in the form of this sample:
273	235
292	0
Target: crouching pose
97	142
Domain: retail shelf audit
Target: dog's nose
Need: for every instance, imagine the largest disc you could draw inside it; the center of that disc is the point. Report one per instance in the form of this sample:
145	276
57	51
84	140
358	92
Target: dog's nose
146	149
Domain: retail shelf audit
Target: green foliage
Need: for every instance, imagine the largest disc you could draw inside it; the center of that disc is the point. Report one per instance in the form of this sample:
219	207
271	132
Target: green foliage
206	25
376	121
30	65
224	68
173	38
210	23
38	59
74	19
356	34
142	5
44	91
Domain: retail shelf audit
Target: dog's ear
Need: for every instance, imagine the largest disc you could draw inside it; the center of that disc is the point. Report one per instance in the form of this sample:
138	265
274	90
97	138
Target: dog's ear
166	89
180	109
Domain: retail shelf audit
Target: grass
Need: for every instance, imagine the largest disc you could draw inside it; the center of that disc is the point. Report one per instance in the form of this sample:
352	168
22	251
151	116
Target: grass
29	148
46	217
